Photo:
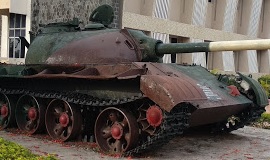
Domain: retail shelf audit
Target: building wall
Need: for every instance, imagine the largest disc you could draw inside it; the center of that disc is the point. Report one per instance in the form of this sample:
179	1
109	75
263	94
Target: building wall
4	40
4	4
22	7
3	32
0	32
50	11
207	20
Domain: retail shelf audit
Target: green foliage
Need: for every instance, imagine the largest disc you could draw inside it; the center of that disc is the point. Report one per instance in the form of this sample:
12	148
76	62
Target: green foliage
215	71
263	121
265	117
228	79
13	151
265	82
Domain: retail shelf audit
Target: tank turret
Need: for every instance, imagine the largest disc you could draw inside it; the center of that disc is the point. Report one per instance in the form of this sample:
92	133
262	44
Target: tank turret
64	43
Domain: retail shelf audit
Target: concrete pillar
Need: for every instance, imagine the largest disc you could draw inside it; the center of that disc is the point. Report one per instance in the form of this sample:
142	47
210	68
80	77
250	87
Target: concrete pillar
251	63
228	25
230	15
264	61
199	19
161	10
28	20
224	19
199	12
264	65
4	37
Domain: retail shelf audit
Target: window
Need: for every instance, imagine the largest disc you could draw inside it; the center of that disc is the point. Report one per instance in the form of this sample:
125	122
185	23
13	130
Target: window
17	28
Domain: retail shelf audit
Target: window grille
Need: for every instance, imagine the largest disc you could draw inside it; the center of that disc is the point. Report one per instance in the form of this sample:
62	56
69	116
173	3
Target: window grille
17	28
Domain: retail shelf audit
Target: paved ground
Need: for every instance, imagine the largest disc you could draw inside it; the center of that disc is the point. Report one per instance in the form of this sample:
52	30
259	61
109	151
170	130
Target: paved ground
243	144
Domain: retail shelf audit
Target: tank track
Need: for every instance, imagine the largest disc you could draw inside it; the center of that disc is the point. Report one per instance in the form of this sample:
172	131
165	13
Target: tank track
174	123
76	98
244	118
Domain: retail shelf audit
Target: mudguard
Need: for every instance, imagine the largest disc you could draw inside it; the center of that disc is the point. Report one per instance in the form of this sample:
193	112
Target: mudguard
261	97
167	91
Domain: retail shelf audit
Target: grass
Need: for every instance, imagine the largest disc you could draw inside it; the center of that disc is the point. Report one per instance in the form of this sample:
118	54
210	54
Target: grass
13	151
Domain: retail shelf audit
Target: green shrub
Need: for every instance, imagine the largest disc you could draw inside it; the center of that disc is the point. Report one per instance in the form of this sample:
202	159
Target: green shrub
265	82
13	151
263	121
265	116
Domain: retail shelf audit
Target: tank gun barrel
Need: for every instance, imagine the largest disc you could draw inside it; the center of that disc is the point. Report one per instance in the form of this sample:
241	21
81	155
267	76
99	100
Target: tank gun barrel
154	50
262	44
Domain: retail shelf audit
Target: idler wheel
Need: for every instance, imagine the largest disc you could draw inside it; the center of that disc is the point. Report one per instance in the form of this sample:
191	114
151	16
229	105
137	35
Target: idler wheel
150	118
154	116
30	113
116	130
63	120
7	111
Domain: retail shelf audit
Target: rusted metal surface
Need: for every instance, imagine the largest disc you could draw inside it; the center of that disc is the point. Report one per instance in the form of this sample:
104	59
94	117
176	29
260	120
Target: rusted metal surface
169	86
167	92
111	47
30	114
79	71
204	116
7	109
116	130
63	120
119	71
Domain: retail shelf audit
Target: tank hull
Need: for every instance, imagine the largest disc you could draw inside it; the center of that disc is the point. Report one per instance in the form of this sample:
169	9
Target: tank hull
168	85
152	97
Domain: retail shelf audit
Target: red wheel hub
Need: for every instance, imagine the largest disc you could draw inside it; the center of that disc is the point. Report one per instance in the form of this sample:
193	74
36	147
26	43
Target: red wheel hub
4	110
64	119
32	113
117	131
154	116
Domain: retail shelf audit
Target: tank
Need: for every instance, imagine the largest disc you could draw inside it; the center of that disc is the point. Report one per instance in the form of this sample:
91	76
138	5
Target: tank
111	87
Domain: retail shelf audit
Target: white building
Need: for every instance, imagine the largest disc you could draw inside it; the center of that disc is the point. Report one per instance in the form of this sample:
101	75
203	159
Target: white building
205	20
15	17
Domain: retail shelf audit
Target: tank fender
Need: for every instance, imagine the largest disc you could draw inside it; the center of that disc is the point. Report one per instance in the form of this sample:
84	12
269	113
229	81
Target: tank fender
261	97
168	91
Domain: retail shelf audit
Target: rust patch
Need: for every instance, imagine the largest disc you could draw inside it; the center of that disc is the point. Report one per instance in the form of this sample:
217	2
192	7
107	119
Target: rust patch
169	91
112	47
